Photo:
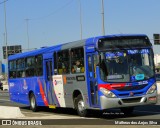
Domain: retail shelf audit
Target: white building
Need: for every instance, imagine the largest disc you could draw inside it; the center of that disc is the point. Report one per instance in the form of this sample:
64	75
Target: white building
157	59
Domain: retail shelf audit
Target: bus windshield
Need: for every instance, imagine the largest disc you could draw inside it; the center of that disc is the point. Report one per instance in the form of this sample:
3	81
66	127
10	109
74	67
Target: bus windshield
126	65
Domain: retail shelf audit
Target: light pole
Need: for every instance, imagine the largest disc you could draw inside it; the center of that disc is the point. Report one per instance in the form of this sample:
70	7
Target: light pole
80	13
103	26
27	32
5	27
5	24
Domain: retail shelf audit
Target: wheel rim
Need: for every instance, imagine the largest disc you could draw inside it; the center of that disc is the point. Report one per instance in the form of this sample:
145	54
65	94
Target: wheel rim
32	102
81	107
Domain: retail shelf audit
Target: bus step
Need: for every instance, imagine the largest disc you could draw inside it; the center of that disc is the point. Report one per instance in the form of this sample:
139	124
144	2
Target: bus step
52	106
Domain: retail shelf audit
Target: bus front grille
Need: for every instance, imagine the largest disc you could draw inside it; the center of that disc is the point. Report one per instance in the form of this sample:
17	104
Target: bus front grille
128	94
132	100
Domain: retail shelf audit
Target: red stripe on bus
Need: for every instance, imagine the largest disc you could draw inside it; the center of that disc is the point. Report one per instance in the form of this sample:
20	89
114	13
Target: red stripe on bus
111	86
42	93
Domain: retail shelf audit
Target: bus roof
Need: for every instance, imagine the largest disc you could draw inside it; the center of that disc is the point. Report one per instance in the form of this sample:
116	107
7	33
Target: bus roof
88	41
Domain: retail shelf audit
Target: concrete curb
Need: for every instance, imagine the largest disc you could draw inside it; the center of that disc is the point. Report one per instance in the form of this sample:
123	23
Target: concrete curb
10	112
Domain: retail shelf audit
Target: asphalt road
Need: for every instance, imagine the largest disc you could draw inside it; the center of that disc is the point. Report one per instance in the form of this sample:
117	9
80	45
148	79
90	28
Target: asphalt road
142	112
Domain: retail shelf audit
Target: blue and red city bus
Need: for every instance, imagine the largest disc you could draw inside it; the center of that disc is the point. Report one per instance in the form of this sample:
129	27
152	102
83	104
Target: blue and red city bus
114	71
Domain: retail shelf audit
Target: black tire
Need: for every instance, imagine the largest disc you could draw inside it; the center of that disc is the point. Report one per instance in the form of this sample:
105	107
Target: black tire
79	105
127	110
33	103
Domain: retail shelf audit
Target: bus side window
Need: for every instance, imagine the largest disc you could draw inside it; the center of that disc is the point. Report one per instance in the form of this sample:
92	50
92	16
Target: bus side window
20	67
39	65
12	69
77	60
63	62
55	63
30	67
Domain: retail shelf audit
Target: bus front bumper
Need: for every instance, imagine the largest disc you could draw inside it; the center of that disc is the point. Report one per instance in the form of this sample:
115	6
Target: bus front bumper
107	103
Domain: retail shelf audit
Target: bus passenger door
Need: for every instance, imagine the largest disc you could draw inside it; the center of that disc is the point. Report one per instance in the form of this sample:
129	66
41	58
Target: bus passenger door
91	74
48	79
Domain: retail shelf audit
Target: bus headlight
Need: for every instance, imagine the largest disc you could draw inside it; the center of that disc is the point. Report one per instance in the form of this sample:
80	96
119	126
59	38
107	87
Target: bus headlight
107	93
152	89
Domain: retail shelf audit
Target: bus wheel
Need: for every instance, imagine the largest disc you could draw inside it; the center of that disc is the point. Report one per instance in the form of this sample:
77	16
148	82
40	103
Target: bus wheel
33	104
127	110
79	104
